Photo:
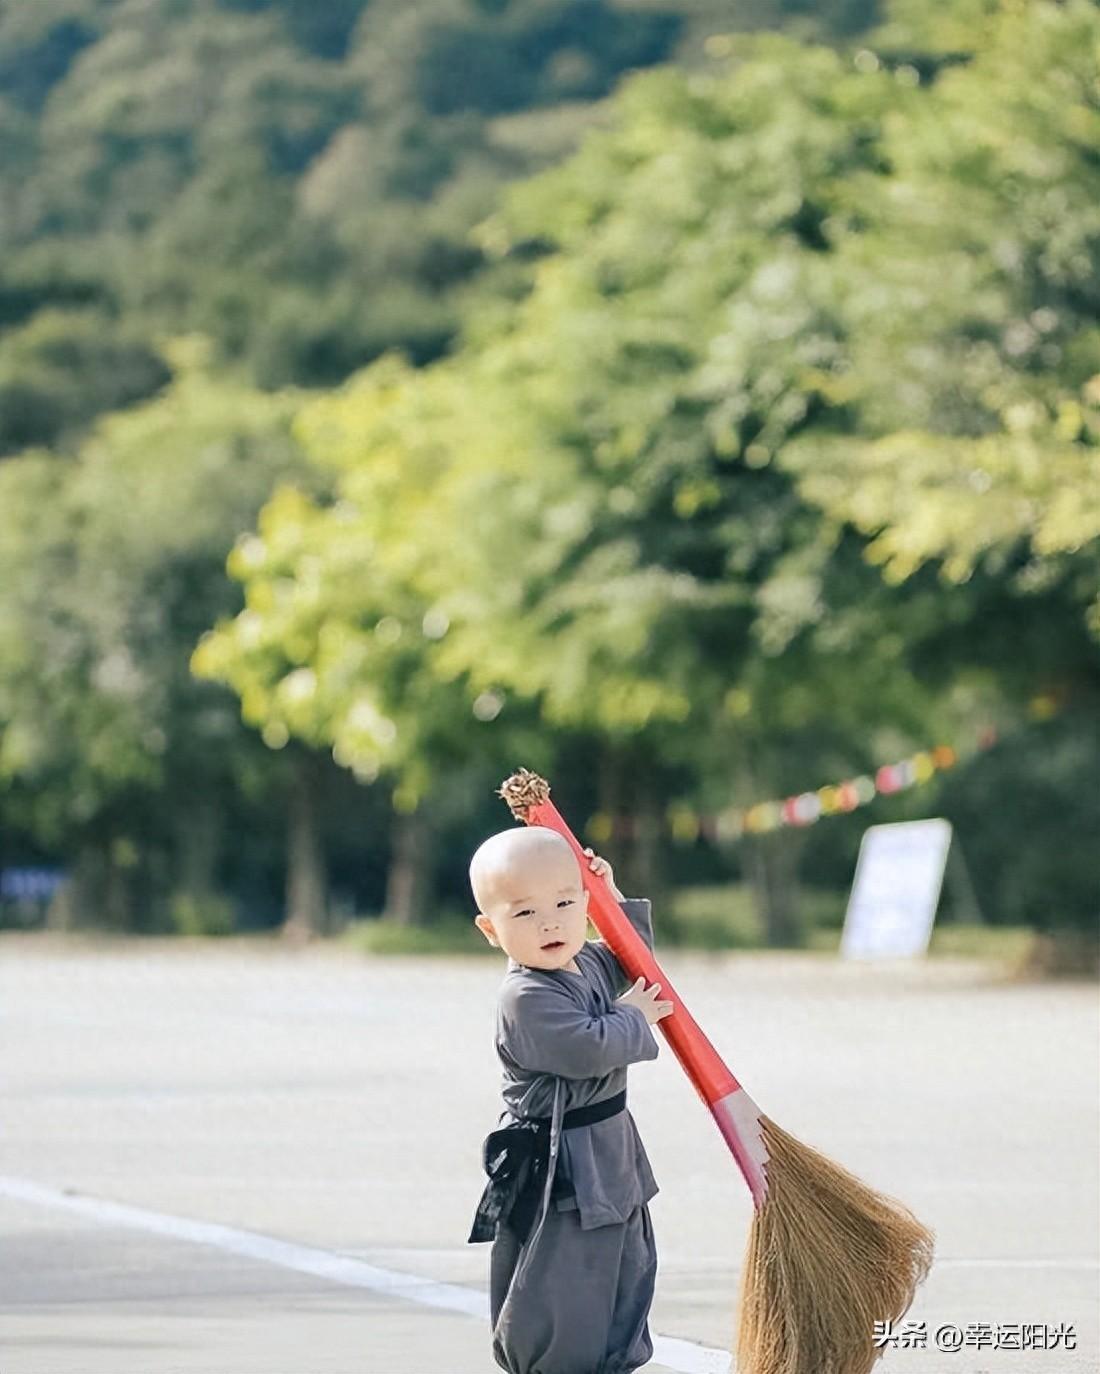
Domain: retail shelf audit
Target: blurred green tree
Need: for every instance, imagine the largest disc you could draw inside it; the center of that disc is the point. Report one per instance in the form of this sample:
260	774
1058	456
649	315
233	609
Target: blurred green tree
553	509
297	181
967	420
612	497
111	563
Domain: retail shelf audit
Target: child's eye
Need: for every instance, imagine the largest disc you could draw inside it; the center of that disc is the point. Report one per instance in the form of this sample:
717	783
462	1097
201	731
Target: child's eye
525	912
566	901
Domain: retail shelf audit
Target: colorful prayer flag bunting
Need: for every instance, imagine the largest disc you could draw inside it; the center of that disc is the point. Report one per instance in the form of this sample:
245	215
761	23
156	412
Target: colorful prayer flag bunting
686	824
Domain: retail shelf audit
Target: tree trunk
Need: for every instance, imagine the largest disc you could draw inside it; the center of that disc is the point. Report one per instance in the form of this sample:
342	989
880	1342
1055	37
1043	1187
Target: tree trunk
648	864
771	858
627	788
198	832
773	864
118	903
407	880
75	903
306	873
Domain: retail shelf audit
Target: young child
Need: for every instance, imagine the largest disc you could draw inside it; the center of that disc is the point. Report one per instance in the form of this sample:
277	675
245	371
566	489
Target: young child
573	1262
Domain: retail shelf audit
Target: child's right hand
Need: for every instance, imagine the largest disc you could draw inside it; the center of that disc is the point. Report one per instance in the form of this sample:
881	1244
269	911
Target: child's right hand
645	1000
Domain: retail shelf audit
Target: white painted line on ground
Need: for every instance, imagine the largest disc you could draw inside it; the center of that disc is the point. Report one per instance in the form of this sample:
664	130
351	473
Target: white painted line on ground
251	1244
697	1359
683	1356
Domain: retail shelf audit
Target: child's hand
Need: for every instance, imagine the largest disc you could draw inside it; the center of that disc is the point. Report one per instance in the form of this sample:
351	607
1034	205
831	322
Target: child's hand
603	870
645	999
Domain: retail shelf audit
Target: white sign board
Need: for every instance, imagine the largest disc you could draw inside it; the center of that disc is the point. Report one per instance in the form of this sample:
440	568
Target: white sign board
896	890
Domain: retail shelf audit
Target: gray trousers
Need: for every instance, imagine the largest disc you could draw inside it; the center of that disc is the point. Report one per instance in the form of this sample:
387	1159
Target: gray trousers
584	1303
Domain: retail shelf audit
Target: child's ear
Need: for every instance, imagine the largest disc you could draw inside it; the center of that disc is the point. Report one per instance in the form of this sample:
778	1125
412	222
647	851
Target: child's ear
485	925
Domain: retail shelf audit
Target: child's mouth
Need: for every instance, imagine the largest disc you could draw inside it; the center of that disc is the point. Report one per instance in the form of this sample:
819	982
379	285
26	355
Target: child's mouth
556	944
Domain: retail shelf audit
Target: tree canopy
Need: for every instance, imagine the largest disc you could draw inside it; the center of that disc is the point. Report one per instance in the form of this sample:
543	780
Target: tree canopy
295	180
643	495
752	438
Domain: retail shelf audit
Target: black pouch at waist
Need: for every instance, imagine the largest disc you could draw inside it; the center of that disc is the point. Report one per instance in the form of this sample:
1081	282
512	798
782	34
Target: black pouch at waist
516	1158
511	1157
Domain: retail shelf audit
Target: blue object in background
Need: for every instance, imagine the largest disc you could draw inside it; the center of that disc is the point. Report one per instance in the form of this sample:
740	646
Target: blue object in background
29	884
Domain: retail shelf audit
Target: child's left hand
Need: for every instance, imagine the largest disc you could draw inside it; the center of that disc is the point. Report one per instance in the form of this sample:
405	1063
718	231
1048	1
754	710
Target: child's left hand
603	870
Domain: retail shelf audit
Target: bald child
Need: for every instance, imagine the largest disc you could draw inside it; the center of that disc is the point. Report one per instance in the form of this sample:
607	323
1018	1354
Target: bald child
573	1261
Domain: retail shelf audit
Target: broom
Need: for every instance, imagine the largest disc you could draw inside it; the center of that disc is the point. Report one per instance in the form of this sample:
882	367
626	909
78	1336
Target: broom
827	1257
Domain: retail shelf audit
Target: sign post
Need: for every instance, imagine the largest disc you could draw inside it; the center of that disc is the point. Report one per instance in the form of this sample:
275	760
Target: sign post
896	890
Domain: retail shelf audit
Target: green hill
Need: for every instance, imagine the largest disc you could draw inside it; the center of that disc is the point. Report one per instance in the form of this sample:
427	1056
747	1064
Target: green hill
298	181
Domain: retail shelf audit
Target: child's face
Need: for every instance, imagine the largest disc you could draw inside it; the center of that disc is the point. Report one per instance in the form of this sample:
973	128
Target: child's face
537	910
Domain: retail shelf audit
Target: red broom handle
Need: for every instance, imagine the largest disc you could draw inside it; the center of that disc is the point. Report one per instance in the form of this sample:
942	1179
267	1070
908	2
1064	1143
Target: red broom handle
700	1060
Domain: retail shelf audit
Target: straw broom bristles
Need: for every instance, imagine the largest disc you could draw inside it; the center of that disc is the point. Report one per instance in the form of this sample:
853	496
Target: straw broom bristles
827	1257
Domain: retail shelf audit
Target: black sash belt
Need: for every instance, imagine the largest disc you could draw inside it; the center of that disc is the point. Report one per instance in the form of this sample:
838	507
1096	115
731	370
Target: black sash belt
516	1158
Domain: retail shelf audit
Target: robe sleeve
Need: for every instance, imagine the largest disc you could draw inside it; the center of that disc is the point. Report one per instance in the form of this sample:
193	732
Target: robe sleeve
546	1031
639	913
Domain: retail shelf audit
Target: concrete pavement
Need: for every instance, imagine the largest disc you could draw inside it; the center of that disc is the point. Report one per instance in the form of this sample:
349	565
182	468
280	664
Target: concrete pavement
281	1096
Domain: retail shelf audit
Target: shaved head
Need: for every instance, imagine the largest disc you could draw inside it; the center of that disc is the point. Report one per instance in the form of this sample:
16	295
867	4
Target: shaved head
509	850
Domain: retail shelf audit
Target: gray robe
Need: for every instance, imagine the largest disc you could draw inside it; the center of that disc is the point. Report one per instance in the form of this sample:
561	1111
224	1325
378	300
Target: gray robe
575	1297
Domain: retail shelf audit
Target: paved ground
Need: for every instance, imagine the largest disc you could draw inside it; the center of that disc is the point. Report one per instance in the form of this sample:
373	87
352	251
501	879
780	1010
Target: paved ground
284	1097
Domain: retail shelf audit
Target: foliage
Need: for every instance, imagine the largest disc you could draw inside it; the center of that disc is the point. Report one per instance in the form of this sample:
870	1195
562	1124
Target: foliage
295	180
1037	865
648	457
111	563
966	424
195	915
66	366
337	643
450	935
767	444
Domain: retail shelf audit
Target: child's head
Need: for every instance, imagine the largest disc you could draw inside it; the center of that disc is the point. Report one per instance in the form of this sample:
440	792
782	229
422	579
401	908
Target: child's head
531	899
